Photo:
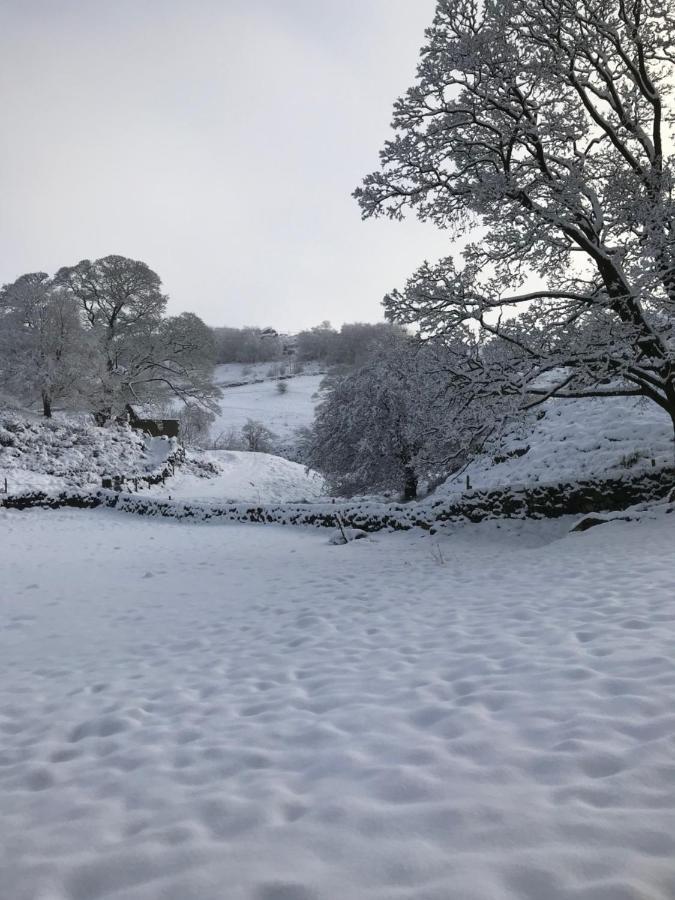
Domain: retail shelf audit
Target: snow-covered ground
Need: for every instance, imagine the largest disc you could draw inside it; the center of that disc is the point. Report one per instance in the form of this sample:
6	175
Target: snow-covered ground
245	712
70	451
568	440
256	477
283	414
236	373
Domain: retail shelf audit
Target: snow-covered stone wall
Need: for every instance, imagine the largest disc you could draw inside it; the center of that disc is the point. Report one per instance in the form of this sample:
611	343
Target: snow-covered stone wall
540	501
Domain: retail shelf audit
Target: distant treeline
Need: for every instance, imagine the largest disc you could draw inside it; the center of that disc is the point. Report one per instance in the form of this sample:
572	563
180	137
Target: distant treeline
249	345
350	346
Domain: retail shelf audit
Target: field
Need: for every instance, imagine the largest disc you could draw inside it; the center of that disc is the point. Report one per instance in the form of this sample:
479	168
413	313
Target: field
195	712
283	414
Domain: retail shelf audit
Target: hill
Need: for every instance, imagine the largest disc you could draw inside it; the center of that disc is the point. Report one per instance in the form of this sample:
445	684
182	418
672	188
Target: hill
260	400
569	440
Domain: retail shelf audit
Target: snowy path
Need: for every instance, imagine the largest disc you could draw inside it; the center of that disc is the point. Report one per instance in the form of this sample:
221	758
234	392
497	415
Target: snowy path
246	713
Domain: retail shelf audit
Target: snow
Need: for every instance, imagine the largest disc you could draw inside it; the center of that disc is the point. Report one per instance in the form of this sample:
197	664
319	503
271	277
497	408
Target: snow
235	373
283	414
570	440
195	712
68	451
242	476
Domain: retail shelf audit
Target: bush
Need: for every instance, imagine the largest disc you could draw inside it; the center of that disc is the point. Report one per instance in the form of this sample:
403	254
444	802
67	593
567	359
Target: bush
282	387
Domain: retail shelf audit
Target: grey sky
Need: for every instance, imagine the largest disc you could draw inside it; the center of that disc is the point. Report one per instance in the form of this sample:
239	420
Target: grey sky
218	140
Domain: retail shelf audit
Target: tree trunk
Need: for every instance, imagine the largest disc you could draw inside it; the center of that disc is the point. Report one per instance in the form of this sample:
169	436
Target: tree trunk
46	405
409	484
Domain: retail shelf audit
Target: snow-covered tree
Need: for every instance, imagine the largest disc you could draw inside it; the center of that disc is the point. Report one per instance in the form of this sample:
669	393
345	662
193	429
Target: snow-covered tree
548	123
357	340
179	361
350	346
247	345
384	425
317	343
144	356
45	354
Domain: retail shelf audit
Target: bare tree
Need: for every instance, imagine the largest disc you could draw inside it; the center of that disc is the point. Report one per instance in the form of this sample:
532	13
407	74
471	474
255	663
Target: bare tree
548	123
195	423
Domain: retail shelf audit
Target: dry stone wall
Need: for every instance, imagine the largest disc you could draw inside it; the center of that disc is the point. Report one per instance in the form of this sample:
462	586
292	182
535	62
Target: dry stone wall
540	501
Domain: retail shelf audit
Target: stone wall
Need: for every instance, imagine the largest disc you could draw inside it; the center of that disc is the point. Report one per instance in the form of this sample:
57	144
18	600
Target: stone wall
541	501
127	482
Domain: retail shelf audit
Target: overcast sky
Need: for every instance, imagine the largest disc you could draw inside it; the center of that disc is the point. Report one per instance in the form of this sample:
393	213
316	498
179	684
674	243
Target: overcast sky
217	140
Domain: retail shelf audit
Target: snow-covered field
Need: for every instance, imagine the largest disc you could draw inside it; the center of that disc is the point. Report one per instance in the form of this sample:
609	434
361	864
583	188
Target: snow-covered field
567	440
236	373
255	477
245	712
283	414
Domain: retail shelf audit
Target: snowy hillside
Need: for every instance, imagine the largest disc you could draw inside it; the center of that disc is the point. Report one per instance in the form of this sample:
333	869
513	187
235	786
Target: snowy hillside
224	475
51	453
234	374
567	440
283	414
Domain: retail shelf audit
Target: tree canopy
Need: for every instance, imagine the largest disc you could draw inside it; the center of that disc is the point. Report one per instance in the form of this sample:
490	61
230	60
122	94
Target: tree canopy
388	423
97	334
548	123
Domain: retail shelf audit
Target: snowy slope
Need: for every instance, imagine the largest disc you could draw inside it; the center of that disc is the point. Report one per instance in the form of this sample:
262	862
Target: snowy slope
256	477
244	712
568	440
281	413
236	373
38	453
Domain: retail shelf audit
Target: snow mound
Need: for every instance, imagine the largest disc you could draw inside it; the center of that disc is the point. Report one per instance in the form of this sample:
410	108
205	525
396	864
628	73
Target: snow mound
37	453
572	440
235	475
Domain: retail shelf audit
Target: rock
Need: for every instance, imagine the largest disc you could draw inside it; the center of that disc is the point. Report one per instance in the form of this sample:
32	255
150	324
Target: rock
589	522
350	534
